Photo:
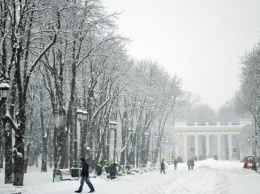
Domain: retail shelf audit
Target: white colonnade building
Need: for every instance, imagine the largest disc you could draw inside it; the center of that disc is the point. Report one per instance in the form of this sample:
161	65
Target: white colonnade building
206	140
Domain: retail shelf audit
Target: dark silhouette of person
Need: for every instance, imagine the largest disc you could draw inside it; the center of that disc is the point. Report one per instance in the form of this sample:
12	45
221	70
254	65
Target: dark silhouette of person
85	176
192	163
162	166
112	170
188	164
99	168
175	162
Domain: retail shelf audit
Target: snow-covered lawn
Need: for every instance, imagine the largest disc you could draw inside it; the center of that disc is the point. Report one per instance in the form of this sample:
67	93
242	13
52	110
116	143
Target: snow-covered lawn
209	177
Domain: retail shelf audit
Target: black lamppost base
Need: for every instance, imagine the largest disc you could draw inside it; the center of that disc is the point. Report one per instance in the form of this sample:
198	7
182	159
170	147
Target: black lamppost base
75	170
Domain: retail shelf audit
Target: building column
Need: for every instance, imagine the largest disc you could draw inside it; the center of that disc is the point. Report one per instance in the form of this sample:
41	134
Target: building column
180	146
219	146
207	145
197	146
230	147
185	147
176	147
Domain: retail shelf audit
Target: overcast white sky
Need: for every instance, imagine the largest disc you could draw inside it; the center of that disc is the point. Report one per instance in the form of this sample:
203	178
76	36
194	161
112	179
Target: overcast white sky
198	40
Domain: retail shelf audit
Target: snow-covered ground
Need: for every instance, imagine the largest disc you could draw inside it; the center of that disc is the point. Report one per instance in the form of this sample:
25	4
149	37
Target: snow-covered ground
209	177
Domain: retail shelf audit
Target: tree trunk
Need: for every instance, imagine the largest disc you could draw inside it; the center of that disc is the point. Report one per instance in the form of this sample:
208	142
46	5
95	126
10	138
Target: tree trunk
71	144
44	137
9	166
50	147
1	148
62	141
28	152
63	144
27	161
19	150
8	156
44	155
124	136
55	143
36	158
83	139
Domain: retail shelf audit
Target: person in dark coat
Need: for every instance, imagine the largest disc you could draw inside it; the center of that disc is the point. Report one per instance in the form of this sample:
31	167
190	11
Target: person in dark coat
188	164
85	176
175	164
192	164
112	170
162	166
99	168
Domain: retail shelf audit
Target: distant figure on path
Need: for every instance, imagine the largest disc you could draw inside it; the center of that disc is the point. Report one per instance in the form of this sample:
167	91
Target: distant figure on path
175	164
112	170
99	168
188	164
192	163
162	166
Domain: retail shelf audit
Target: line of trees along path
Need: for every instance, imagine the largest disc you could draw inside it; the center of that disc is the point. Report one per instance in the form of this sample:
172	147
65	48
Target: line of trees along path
58	56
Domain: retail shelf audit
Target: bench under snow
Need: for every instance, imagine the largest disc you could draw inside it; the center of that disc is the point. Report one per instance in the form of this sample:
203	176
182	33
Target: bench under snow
65	174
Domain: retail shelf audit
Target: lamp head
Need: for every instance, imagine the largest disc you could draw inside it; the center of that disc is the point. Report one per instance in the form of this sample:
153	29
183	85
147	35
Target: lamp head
4	88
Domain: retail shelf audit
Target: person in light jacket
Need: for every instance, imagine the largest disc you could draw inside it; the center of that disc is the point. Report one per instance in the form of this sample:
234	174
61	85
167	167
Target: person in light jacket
99	168
112	170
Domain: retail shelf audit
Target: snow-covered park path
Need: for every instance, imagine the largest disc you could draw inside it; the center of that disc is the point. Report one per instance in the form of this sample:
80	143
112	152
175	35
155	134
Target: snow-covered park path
208	177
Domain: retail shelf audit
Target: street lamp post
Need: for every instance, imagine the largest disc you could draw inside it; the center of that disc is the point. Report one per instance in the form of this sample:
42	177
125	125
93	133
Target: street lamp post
4	88
84	115
79	115
112	126
154	150
129	136
107	148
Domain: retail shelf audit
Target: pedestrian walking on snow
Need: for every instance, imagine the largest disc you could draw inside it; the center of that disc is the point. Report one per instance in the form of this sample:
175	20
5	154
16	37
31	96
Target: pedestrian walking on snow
112	170
175	164
192	164
85	177
162	166
188	164
99	168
